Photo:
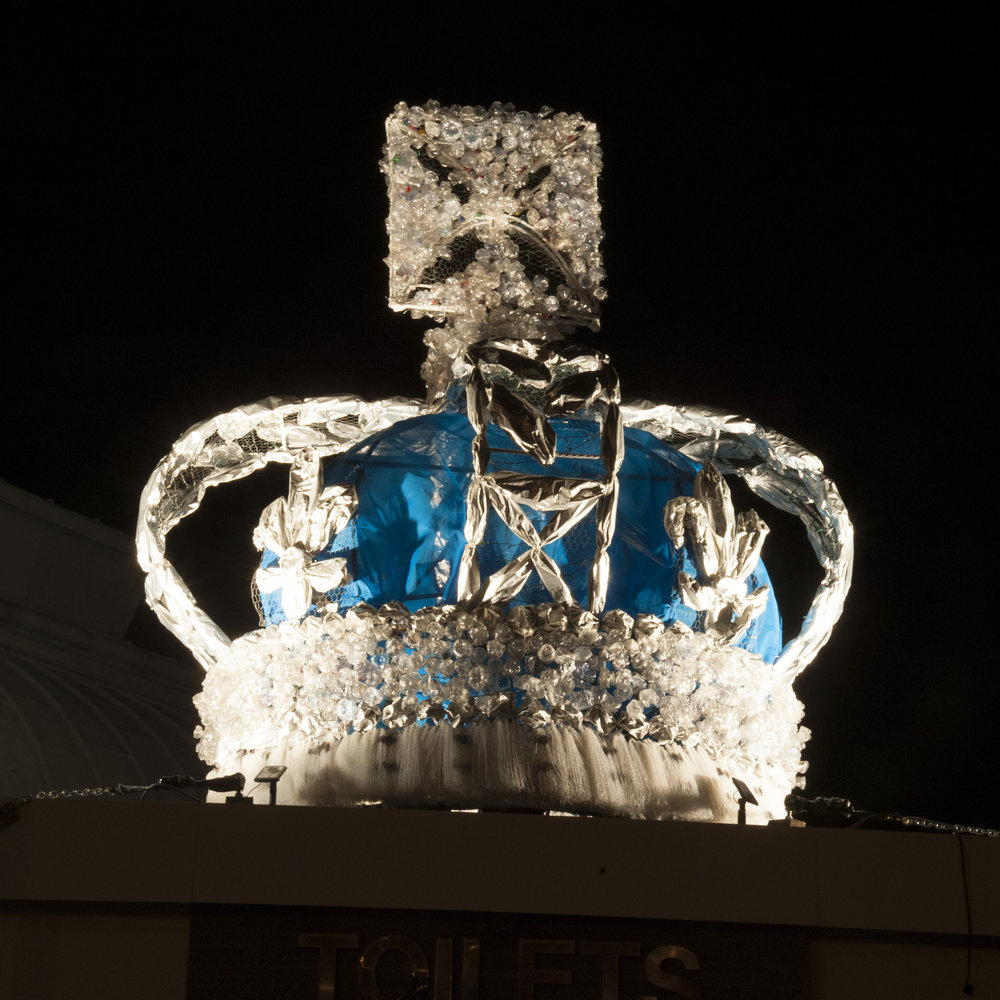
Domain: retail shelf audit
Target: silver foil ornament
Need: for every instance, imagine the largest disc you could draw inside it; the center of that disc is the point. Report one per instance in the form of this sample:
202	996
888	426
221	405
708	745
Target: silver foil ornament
296	529
522	387
725	548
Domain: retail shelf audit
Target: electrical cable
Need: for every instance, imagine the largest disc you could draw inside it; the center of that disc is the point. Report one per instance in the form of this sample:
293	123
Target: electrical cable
967	989
9	811
800	807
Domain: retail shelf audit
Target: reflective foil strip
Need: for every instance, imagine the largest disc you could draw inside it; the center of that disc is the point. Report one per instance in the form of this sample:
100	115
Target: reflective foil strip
519	386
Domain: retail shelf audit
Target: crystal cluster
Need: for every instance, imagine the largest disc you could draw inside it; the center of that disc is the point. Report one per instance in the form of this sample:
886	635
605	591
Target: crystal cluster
494	224
325	678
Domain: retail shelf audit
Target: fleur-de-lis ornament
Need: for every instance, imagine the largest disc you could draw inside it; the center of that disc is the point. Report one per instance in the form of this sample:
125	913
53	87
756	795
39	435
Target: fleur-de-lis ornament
725	549
296	530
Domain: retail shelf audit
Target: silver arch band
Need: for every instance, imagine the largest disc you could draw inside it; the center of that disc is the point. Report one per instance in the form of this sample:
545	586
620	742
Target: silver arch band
231	446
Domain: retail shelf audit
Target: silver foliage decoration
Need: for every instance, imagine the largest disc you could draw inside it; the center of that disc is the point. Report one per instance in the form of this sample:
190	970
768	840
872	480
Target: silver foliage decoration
725	548
296	529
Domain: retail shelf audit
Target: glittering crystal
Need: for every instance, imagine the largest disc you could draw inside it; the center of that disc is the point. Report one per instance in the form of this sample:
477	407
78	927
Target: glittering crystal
289	683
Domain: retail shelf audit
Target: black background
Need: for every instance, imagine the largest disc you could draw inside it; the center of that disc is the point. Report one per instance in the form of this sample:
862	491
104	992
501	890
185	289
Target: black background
793	220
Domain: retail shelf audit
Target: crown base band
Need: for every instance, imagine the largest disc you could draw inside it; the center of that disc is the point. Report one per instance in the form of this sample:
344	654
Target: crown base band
503	765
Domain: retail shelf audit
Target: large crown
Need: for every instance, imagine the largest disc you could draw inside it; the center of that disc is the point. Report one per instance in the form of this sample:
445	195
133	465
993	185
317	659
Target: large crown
523	592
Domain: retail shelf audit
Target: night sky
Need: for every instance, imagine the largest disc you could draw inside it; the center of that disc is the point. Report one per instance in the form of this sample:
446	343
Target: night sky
792	234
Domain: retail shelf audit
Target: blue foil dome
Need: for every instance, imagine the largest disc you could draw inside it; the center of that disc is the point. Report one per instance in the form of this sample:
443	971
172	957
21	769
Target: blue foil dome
406	537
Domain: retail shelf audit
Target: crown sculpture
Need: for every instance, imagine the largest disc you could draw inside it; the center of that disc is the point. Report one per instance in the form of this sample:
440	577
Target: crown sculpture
522	592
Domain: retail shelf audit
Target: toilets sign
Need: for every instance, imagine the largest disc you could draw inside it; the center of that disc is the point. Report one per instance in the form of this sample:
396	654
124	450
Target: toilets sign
305	953
396	966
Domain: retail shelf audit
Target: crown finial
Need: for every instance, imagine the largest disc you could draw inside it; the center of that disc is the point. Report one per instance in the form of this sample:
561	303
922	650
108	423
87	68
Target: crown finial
494	225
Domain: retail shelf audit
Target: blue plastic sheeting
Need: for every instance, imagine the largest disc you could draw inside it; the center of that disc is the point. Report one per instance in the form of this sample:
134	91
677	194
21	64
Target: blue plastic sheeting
407	536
